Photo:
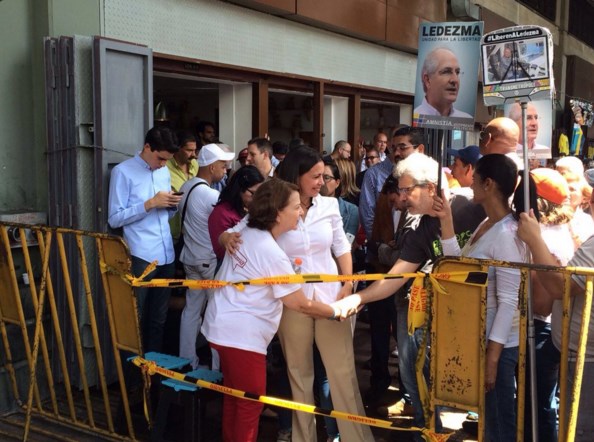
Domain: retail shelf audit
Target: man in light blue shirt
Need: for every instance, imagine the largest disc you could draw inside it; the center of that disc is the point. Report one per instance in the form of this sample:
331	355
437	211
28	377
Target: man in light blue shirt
141	202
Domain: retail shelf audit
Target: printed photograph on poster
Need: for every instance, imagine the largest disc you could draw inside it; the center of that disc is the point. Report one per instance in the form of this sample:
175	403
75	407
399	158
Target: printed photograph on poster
539	116
517	62
447	75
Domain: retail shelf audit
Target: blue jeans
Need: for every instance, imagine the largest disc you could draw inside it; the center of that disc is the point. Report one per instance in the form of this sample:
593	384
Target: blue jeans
323	386
153	304
500	403
547	373
408	349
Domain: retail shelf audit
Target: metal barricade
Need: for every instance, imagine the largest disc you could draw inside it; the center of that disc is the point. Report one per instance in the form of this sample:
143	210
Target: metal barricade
64	374
458	344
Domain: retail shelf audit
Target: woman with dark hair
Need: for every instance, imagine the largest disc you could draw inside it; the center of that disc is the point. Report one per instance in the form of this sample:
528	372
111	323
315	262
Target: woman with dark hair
494	182
233	204
240	324
321	244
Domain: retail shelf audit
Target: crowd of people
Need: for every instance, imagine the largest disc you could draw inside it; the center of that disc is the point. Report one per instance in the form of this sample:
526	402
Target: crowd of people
287	209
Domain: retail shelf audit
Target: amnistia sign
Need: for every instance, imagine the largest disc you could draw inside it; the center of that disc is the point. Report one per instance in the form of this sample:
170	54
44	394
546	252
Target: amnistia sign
517	65
447	75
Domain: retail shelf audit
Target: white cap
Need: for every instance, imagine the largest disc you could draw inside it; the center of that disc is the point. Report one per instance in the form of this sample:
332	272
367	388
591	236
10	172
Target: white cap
211	153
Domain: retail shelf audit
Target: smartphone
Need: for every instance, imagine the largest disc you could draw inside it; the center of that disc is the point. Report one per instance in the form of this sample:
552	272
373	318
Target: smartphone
178	193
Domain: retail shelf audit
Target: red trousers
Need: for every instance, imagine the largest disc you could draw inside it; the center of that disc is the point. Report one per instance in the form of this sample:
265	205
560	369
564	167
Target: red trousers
246	371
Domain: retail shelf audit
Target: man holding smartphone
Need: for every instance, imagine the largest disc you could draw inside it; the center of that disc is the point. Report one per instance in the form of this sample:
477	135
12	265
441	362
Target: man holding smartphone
141	202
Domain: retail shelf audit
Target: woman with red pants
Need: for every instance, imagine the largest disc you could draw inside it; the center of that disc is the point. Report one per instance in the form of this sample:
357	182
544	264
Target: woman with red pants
241	324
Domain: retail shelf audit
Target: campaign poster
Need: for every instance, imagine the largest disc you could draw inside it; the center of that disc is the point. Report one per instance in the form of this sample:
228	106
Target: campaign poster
539	120
447	75
517	64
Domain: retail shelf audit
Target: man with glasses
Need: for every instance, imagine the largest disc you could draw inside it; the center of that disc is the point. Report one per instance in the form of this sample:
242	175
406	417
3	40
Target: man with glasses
441	83
342	149
371	158
405	141
501	135
417	185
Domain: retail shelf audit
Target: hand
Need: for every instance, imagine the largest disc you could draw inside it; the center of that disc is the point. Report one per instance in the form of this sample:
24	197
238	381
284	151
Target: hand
347	306
490	375
230	241
441	206
163	200
345	290
528	228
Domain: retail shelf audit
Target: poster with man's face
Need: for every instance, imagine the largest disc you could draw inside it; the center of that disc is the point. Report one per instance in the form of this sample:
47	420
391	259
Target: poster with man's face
447	75
517	64
539	116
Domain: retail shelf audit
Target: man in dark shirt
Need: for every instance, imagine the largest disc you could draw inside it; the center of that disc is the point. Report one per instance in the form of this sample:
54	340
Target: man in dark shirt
417	185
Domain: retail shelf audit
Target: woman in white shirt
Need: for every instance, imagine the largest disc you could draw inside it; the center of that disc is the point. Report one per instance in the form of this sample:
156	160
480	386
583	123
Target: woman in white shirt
494	182
241	324
321	244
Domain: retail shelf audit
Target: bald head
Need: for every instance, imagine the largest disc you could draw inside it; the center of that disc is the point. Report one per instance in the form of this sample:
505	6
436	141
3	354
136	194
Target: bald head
501	135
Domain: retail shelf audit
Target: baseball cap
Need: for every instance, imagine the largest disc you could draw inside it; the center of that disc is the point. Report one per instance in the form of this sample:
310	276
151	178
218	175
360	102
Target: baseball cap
550	185
470	154
211	153
243	153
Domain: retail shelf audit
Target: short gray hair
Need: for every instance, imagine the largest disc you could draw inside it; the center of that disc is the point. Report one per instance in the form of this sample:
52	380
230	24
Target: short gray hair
420	167
431	63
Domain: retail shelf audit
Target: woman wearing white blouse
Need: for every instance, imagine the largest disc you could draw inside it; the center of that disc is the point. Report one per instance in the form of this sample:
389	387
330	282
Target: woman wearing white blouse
320	242
495	179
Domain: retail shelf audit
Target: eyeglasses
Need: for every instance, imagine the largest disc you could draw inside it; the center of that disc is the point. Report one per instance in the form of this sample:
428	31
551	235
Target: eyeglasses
371	157
484	135
328	178
401	147
409	189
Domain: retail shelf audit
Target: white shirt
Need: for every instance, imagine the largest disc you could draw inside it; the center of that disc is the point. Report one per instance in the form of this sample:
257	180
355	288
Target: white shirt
500	242
426	109
249	319
538	151
316	239
197	245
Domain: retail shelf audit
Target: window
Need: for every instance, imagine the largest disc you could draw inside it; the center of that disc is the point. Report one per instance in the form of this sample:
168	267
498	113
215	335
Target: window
546	8
581	20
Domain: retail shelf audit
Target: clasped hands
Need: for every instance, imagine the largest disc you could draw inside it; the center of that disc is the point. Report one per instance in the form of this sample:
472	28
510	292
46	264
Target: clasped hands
347	307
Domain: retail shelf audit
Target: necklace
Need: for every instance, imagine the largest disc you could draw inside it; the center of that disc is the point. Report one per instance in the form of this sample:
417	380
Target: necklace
306	206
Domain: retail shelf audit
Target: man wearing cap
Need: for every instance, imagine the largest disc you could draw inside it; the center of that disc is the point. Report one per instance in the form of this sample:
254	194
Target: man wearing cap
141	202
259	155
464	162
197	255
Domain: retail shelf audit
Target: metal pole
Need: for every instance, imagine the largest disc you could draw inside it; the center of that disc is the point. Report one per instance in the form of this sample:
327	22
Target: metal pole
531	338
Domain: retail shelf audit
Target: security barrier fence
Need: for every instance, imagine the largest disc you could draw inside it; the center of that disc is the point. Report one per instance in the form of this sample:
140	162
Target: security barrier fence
85	316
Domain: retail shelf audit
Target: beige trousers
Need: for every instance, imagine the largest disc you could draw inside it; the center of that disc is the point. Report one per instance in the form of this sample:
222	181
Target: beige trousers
297	334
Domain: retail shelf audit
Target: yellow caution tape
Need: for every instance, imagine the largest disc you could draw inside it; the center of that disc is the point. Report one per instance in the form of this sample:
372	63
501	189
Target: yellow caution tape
473	278
151	368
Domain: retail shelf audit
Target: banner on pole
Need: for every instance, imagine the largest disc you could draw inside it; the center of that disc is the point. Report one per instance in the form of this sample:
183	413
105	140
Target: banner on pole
447	75
517	65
